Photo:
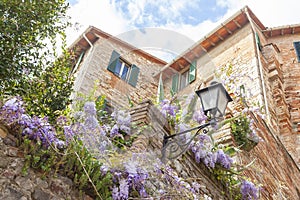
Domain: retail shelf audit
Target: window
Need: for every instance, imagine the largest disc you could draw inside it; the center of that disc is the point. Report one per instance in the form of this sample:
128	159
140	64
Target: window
297	49
184	80
180	81
124	70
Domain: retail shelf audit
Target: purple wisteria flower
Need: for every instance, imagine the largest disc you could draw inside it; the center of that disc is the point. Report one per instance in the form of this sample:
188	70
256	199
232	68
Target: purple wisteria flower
203	150
12	110
104	169
91	123
121	192
210	160
249	191
62	120
136	174
122	123
59	144
199	116
36	128
89	108
114	131
223	159
69	134
90	117
201	147
167	109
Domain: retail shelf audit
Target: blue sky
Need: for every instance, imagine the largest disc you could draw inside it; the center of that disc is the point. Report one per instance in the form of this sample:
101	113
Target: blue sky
192	19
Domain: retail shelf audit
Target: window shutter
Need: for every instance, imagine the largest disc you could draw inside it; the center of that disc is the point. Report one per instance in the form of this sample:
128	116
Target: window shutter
134	73
192	72
297	48
258	40
174	88
114	58
78	62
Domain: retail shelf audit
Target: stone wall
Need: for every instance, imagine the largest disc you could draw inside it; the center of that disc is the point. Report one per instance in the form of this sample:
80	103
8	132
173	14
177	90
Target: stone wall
237	50
185	166
273	167
33	186
93	73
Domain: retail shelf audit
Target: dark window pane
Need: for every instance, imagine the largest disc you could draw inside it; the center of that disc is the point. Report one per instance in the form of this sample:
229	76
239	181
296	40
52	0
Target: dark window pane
297	48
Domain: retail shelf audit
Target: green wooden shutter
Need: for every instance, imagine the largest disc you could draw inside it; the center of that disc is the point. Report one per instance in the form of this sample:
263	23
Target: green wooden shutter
160	89
174	88
134	74
258	40
192	71
78	61
297	48
114	58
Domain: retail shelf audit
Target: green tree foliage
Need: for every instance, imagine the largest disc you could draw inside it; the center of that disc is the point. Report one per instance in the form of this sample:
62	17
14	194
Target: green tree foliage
29	66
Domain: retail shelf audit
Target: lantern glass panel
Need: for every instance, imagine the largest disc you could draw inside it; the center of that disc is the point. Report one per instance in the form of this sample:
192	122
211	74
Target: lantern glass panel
222	102
208	98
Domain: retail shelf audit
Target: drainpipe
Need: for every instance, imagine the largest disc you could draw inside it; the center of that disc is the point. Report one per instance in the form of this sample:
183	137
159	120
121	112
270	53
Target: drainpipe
84	36
84	67
259	67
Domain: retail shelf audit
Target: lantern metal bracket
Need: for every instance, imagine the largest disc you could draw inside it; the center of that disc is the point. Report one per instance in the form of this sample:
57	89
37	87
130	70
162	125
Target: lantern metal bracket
214	100
175	145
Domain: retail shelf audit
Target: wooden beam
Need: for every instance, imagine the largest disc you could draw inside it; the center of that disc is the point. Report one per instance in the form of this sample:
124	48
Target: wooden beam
210	41
195	54
187	59
203	48
181	66
236	23
219	36
293	30
227	29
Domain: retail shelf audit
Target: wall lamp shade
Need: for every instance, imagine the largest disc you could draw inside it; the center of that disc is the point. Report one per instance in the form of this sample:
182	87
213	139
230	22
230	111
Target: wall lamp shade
214	100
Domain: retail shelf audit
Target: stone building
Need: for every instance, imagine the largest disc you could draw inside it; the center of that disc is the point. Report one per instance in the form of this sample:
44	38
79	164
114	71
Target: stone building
117	69
269	56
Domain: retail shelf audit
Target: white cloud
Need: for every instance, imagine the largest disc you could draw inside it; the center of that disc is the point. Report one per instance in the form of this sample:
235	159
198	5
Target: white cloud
271	13
100	14
110	16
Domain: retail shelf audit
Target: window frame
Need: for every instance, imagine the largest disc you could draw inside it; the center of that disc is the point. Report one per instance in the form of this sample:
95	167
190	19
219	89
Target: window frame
124	64
178	77
132	73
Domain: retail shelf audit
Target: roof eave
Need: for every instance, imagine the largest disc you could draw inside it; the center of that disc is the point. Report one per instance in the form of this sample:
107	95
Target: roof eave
92	34
211	40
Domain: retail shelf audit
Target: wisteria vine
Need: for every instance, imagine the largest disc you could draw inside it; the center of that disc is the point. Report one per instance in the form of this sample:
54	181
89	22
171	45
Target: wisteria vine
136	175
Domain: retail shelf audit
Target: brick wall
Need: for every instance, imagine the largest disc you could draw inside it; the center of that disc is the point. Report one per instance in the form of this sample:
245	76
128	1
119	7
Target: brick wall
283	77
